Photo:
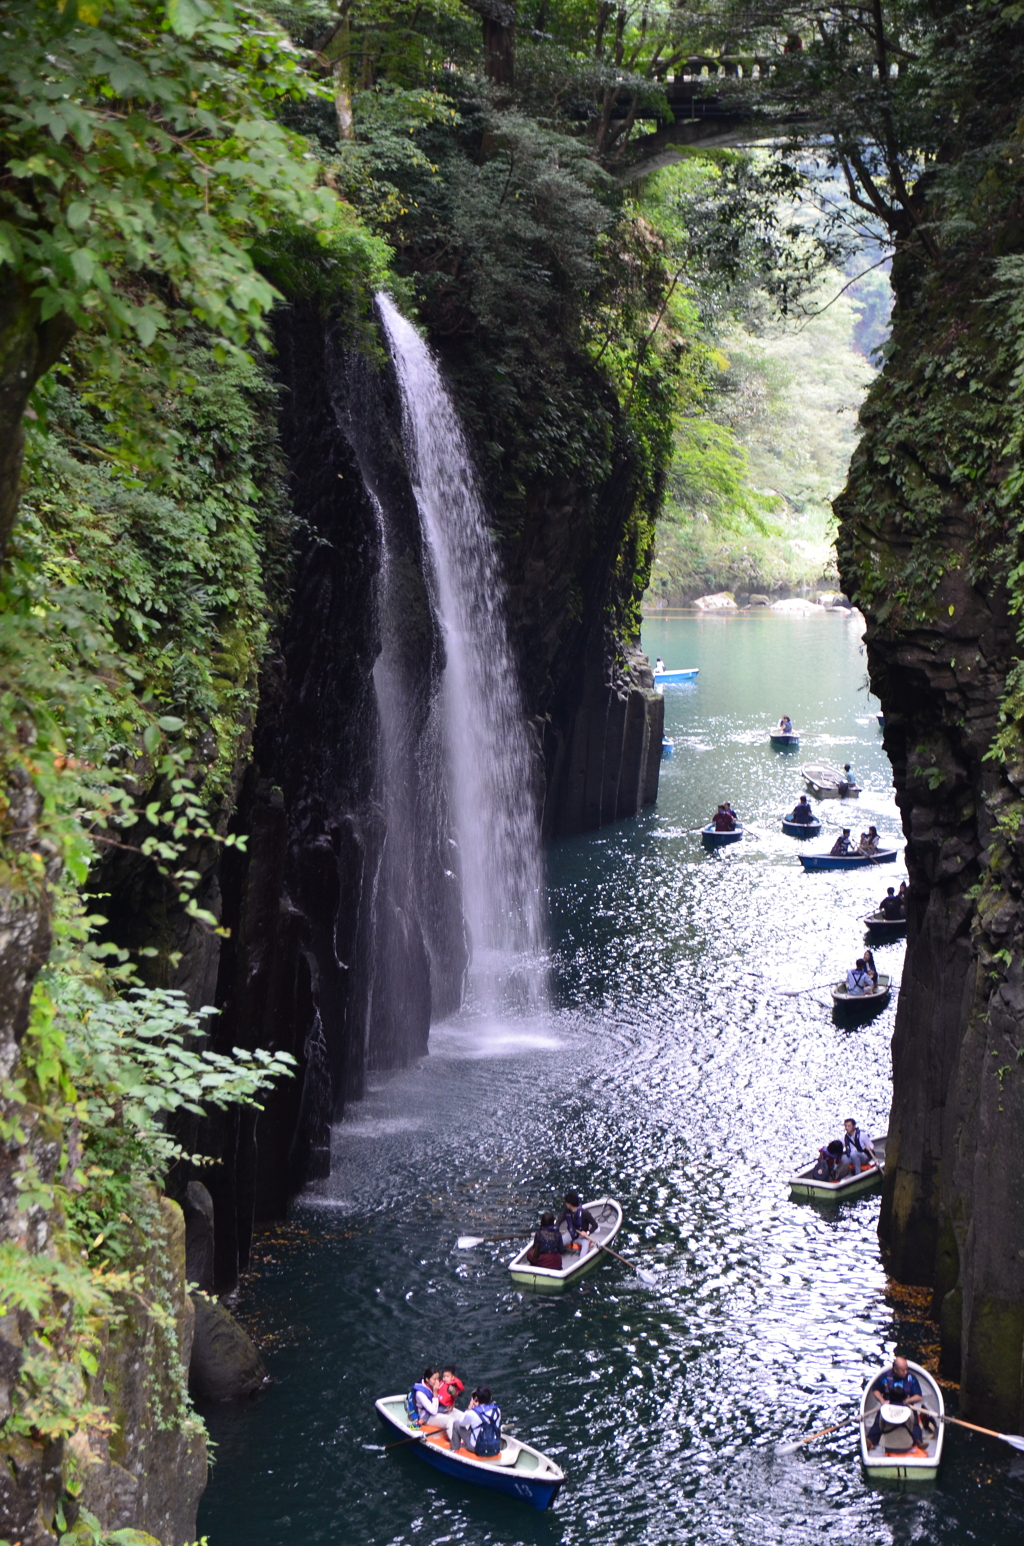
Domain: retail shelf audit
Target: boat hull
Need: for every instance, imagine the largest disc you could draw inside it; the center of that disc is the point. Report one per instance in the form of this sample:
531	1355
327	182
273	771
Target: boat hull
804	1188
671	678
847	861
885	928
533	1478
784	742
801	828
550	1280
712	839
907	1467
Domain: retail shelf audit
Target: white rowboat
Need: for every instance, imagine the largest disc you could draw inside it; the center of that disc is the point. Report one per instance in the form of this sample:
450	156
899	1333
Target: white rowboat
519	1471
895	1456
804	1184
575	1264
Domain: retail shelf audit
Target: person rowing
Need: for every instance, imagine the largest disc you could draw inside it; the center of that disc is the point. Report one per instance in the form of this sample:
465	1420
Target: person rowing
898	1387
891	907
858	1150
843	845
479	1428
785	725
725	819
858	979
575	1223
802	813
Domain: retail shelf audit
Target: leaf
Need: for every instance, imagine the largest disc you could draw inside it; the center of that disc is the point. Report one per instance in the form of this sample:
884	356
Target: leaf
184	16
77	213
151	737
170	722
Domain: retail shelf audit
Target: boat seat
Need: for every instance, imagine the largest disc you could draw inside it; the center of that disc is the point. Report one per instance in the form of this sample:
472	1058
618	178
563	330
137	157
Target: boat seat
898	1441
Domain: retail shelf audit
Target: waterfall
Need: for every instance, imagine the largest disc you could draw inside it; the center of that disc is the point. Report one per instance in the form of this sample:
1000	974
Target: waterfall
490	770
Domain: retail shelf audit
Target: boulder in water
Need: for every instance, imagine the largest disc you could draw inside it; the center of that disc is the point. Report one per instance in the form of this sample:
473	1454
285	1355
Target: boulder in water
797	607
757	600
225	1364
721	601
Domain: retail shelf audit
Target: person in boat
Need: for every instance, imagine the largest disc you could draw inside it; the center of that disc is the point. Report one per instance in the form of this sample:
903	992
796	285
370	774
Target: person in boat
802	812
898	1387
573	1222
659	666
449	1390
858	979
479	1428
786	725
843	845
725	819
546	1250
848	777
891	906
829	1159
869	841
858	1150
422	1402
870	967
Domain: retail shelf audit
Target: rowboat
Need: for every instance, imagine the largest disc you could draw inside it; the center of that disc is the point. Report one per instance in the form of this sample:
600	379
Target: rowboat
668	747
895	1456
881	720
847	861
828	782
575	1264
801	828
861	1003
803	1183
785	740
712	839
519	1471
670	678
882	928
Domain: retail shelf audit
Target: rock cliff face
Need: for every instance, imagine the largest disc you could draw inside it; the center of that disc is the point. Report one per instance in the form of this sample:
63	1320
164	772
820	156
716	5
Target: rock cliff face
345	917
928	548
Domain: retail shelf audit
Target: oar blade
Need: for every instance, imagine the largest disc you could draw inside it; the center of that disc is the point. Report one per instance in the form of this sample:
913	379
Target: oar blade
1015	1439
791	1447
647	1278
467	1242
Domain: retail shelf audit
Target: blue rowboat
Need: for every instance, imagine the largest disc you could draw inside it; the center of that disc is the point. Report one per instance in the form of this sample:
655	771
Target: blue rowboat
668	748
882	928
846	861
801	828
712	839
669	678
519	1471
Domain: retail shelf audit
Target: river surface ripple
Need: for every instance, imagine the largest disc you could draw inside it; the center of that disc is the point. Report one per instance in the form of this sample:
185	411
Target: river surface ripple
673	1074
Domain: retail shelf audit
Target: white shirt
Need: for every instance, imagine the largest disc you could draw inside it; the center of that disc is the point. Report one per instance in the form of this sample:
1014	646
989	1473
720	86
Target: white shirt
426	1406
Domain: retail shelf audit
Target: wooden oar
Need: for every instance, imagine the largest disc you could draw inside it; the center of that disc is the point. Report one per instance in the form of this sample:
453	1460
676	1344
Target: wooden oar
467	1242
791	1447
794	992
645	1277
1014	1439
426	1434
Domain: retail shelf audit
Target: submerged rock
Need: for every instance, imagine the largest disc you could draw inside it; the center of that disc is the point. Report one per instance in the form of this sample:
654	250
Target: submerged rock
226	1364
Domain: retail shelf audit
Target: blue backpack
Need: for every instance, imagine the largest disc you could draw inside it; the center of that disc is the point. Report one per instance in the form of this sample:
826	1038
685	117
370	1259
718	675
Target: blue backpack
488	1435
412	1411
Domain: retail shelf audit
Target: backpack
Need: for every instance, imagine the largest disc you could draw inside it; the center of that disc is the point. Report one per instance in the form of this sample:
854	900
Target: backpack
488	1435
412	1411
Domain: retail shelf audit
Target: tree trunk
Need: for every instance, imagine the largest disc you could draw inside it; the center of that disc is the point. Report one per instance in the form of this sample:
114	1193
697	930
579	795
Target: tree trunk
28	348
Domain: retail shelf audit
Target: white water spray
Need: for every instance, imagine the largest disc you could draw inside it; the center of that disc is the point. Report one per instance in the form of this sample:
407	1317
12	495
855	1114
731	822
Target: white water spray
491	776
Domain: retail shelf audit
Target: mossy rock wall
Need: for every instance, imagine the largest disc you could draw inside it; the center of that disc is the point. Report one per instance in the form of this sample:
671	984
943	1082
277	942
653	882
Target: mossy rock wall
928	546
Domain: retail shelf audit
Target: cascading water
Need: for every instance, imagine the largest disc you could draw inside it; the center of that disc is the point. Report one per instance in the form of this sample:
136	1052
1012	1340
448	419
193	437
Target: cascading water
490	769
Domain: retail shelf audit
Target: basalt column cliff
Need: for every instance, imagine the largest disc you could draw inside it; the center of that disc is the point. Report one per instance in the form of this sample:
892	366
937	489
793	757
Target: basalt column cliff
929	549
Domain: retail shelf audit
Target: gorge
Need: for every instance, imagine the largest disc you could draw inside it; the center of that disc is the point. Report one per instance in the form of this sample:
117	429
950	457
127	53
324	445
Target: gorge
321	613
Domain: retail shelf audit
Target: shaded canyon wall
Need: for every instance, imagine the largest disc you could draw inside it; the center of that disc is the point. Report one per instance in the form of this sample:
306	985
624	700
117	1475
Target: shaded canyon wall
928	548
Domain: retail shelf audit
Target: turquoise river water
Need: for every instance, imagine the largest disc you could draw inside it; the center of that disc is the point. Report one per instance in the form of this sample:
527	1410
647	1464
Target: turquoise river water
672	1073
